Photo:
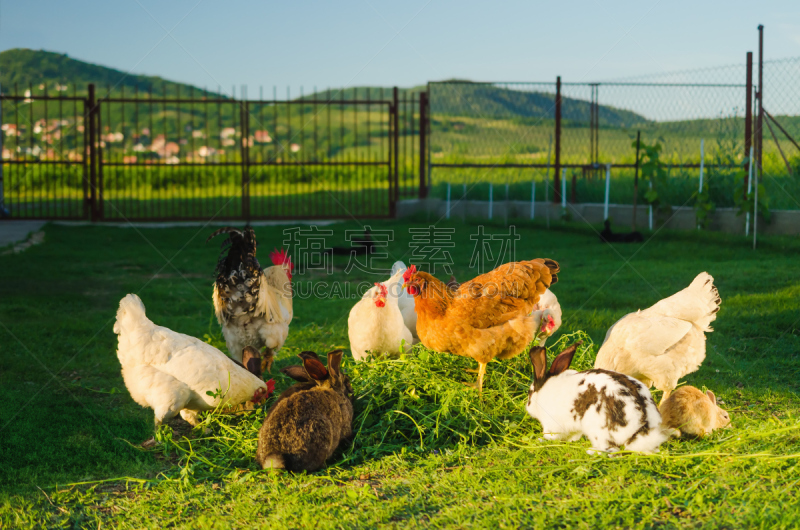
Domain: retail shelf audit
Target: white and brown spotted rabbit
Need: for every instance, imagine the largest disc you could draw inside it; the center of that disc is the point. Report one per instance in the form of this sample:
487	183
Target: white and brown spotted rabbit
611	409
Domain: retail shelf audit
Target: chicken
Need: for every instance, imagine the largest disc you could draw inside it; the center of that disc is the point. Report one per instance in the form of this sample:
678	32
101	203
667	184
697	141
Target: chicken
548	308
486	318
172	373
253	305
376	324
663	343
406	303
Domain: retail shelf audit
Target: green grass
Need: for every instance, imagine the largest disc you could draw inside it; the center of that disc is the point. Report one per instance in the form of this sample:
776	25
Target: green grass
428	452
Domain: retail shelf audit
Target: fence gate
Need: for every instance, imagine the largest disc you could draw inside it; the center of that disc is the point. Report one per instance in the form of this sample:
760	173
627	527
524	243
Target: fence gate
328	156
206	157
44	167
158	154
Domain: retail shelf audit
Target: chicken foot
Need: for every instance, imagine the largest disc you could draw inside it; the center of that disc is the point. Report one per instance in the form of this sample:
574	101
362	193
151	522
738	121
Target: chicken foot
479	383
266	360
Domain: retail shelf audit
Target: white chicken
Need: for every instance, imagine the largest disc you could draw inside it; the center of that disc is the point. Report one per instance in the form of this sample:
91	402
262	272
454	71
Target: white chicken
253	305
549	309
171	373
663	343
406	303
375	324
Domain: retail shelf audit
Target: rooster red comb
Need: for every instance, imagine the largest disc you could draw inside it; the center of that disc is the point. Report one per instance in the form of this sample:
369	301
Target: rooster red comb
409	271
280	257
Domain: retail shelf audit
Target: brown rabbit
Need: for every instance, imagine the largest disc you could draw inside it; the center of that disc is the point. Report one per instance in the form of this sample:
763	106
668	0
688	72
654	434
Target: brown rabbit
689	412
310	419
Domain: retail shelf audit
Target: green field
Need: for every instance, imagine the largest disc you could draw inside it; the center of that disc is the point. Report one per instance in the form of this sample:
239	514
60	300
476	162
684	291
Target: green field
428	452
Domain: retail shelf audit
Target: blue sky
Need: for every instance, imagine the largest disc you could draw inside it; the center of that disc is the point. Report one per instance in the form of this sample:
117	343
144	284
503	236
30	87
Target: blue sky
376	42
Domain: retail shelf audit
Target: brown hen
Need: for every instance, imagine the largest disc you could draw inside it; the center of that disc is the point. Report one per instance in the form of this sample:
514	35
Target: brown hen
486	318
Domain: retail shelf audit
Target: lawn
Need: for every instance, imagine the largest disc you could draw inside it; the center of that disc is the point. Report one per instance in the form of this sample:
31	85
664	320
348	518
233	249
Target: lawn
428	451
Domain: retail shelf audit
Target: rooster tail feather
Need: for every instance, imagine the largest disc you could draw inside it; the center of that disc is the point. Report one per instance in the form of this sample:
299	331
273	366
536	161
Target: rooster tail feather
238	252
223	230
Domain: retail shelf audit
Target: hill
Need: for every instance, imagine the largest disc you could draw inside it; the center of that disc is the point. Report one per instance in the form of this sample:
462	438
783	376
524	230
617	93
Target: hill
31	69
463	98
25	69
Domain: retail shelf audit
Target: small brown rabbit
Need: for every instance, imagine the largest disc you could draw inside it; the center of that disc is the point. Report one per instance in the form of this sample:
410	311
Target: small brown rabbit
310	419
689	412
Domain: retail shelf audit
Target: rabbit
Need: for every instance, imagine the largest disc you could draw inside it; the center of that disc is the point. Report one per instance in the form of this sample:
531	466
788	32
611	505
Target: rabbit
689	412
609	408
309	419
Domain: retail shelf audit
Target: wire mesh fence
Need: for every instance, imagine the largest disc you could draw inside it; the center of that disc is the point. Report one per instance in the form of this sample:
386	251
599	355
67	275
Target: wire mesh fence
781	134
503	134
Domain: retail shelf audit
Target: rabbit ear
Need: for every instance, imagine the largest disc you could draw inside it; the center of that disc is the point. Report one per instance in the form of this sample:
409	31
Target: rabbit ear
711	396
254	366
335	361
538	357
315	369
563	360
298	373
310	354
251	360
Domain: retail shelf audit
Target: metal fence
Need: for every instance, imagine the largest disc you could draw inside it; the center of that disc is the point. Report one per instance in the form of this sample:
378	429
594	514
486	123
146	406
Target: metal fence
510	134
166	153
161	154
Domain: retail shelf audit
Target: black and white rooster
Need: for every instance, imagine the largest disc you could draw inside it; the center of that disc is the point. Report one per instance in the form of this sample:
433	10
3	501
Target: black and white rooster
253	305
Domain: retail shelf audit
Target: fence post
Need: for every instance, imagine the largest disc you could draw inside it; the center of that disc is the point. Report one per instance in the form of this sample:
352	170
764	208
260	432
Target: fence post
636	180
89	123
491	199
423	130
747	192
243	119
748	114
760	93
755	209
557	173
448	200
572	193
396	148
608	191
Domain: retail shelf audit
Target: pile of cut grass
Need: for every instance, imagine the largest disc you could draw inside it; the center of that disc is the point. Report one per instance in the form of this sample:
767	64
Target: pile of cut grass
413	405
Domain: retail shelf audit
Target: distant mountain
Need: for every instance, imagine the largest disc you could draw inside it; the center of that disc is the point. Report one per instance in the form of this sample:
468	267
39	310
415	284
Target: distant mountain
463	98
35	70
24	69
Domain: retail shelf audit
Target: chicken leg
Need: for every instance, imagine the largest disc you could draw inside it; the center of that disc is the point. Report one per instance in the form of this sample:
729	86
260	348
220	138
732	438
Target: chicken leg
664	397
266	360
479	383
